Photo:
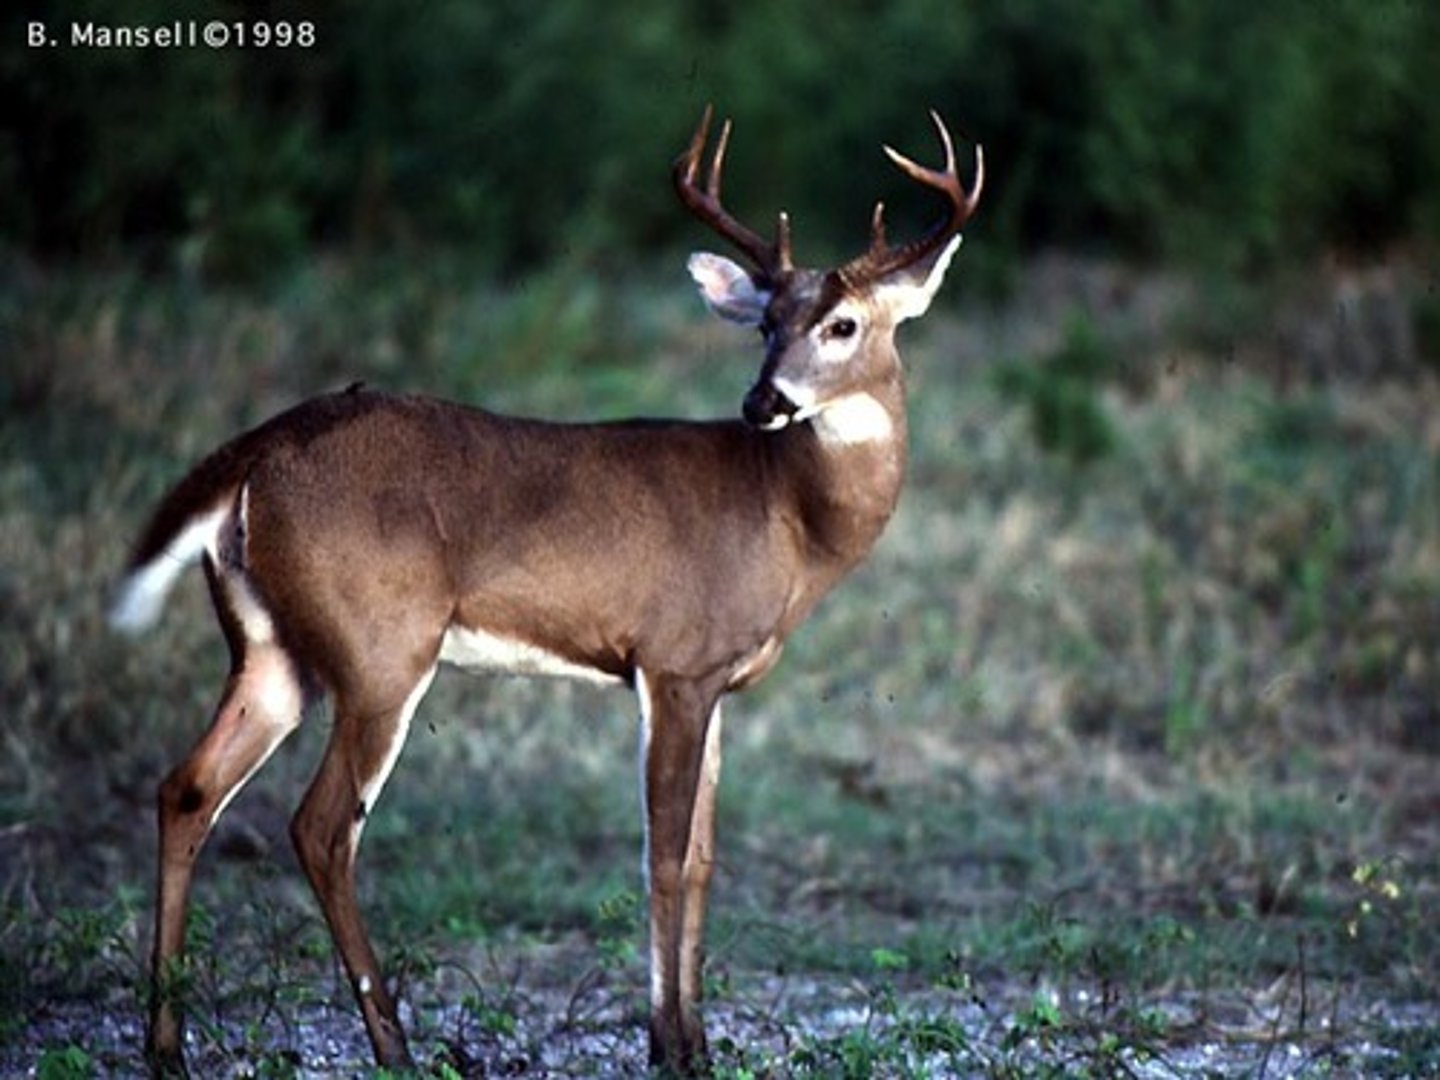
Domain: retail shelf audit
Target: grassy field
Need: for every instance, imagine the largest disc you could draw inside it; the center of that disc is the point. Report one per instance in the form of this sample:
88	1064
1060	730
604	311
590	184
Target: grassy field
1122	750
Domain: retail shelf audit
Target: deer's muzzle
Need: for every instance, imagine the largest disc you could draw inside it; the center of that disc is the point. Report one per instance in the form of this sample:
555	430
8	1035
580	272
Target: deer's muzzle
767	408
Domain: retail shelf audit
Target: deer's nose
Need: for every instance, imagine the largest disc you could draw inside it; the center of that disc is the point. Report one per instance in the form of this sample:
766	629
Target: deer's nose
767	408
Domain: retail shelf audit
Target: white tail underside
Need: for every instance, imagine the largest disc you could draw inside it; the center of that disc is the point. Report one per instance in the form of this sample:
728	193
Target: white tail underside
142	594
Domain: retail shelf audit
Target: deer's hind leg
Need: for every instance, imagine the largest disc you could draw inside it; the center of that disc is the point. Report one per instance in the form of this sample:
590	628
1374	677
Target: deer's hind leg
364	746
262	703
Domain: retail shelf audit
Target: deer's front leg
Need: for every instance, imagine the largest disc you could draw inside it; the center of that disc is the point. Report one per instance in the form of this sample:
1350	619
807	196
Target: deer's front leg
680	762
695	874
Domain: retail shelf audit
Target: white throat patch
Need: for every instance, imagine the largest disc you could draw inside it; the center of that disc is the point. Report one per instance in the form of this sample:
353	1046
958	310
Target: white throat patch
854	419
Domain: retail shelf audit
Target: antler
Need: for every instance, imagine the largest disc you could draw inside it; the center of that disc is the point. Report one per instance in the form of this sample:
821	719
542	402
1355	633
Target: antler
881	259
771	260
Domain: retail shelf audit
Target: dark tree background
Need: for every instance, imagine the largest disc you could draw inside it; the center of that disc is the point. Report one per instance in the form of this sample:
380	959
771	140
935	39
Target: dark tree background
1215	130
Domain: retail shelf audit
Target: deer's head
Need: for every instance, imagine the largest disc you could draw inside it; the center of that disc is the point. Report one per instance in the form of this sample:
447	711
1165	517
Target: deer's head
829	334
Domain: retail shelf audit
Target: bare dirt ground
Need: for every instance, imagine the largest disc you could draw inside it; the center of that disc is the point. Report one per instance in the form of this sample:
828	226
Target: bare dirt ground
764	1026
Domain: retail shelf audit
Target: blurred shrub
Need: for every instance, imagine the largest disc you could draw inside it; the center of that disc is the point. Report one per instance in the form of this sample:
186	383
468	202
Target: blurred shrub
1427	327
1061	392
1199	129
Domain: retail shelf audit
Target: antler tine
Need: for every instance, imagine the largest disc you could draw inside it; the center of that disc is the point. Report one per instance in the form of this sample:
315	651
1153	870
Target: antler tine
717	163
771	260
880	258
783	262
931	177
687	163
878	244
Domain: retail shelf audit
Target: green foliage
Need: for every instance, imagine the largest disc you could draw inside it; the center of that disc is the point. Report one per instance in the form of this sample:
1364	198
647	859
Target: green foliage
1061	393
1209	129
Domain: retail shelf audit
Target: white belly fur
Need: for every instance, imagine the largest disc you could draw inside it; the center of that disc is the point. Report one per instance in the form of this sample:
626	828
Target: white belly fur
486	654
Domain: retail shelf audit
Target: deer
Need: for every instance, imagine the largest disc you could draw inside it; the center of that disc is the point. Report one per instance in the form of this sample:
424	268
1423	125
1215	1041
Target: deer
357	542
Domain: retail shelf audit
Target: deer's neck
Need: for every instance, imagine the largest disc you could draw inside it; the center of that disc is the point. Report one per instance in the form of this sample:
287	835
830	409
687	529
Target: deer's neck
850	465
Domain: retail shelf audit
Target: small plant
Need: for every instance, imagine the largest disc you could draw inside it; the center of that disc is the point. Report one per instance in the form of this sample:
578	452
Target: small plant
1379	890
273	1064
854	1055
496	1020
618	928
935	1036
1039	1020
734	1072
440	1070
889	959
65	1063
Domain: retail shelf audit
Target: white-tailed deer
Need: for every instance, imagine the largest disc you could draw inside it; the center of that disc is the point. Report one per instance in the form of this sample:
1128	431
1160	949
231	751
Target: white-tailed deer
356	542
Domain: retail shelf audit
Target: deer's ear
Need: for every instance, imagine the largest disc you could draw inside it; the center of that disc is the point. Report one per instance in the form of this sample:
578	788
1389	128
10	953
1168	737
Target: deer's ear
907	298
728	288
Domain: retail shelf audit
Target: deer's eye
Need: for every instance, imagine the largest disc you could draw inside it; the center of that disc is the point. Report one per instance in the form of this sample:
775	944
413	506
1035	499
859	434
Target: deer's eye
841	328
